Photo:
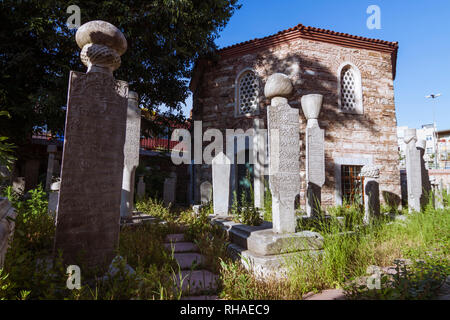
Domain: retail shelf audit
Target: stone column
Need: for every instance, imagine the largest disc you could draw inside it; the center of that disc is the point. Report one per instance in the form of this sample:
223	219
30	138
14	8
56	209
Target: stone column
260	160
169	192
371	192
284	152
413	170
315	153
51	149
88	219
131	154
141	188
221	169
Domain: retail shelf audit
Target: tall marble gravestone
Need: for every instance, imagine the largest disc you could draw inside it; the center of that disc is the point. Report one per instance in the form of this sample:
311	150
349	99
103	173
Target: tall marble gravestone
315	153
88	218
413	170
426	186
259	156
371	192
131	154
284	152
221	169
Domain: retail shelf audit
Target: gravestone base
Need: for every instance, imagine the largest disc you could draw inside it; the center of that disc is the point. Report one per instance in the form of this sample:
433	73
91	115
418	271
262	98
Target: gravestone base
264	267
265	250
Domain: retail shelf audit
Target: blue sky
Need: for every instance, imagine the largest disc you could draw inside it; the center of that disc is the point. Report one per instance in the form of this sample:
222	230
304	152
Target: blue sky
422	29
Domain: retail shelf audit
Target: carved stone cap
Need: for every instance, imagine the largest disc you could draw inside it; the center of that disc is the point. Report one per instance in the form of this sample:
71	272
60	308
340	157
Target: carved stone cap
102	45
410	133
311	105
278	85
370	171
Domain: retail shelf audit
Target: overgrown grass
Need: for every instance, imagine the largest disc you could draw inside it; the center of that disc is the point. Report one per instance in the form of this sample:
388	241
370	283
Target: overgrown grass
349	249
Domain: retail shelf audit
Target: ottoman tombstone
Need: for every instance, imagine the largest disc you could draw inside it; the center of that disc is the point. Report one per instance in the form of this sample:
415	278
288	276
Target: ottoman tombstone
88	217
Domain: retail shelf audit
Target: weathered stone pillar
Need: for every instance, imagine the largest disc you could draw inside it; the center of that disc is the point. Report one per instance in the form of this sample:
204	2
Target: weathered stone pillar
284	152
131	154
413	170
221	169
315	153
169	192
140	188
88	219
371	192
51	149
259	156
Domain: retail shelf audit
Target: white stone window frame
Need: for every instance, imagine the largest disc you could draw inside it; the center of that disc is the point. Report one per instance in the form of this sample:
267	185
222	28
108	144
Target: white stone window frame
358	88
345	161
237	113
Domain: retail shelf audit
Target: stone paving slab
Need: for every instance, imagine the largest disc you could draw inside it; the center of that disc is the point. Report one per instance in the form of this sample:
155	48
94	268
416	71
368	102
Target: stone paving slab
197	282
177	237
181	247
186	260
331	294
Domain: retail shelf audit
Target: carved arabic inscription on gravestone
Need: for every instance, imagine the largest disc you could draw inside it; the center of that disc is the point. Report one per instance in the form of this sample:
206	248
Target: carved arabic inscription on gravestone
89	202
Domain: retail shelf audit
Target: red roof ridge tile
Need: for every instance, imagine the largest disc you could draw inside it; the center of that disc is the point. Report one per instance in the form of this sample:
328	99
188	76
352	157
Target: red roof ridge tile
300	27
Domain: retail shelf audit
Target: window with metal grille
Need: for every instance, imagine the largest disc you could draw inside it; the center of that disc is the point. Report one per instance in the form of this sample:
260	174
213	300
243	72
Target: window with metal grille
348	93
248	93
352	184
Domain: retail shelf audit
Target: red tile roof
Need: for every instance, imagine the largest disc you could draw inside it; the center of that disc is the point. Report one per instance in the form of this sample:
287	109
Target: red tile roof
311	33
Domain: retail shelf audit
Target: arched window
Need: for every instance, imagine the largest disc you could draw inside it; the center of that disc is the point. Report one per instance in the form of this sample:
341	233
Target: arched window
350	89
247	93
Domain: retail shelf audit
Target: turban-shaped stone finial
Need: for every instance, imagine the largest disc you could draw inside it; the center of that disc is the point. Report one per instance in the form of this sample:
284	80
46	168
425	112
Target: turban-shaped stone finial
101	45
278	85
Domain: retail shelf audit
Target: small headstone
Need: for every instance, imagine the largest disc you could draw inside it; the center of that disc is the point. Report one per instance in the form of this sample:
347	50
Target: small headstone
221	167
284	152
205	192
88	218
315	153
371	192
170	185
140	193
131	154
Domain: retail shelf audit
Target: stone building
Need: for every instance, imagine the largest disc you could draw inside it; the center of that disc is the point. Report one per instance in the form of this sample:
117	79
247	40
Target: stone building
354	74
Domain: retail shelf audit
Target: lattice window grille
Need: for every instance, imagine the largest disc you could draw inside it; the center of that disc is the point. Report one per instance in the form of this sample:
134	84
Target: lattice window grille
348	90
248	93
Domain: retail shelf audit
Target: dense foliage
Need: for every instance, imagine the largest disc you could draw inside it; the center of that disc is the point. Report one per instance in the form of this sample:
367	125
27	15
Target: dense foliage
38	51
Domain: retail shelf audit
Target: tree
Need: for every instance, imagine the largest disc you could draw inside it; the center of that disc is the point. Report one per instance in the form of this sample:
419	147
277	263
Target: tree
38	50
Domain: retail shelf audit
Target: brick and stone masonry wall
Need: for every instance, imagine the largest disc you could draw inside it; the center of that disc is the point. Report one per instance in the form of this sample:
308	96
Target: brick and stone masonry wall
313	68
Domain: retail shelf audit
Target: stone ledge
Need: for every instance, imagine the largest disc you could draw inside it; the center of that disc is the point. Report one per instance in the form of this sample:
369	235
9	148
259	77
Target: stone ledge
264	267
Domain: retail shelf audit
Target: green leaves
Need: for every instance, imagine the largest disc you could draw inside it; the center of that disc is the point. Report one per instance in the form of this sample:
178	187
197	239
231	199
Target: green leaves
165	37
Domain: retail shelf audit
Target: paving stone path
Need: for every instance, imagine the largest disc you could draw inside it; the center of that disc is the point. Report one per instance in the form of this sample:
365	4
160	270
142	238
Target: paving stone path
196	283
